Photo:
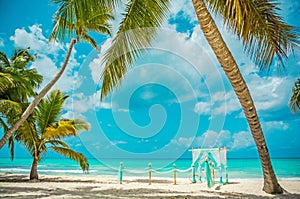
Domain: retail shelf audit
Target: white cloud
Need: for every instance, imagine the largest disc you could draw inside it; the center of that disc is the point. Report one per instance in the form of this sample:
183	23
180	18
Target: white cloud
49	57
96	65
269	93
202	108
34	39
241	140
80	103
275	125
209	139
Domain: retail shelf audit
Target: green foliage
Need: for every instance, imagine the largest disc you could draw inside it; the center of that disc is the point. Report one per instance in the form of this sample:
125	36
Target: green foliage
263	32
74	19
294	102
136	31
43	130
69	153
265	36
22	81
17	85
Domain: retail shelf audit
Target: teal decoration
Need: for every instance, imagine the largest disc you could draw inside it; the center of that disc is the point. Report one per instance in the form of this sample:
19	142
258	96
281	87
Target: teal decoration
209	180
227	182
193	175
221	181
121	173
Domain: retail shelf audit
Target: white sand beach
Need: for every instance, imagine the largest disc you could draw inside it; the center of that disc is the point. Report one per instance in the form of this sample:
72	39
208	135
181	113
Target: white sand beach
18	186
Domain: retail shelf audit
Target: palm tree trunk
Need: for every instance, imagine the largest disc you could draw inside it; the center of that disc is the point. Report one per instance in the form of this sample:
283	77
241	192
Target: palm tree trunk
38	98
231	70
33	173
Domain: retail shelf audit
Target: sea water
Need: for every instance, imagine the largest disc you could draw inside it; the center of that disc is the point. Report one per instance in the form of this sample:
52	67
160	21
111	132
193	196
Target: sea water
288	169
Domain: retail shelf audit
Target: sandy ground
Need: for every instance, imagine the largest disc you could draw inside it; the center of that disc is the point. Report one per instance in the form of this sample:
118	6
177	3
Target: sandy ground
18	186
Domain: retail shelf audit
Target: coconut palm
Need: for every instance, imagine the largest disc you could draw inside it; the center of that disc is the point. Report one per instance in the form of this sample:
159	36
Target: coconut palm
19	79
73	20
19	85
294	102
265	37
44	130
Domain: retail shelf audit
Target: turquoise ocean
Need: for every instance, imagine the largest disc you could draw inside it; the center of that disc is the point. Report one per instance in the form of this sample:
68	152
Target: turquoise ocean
238	169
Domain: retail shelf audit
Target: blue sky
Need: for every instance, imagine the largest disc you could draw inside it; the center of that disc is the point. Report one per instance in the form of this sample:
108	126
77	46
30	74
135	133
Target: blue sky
175	97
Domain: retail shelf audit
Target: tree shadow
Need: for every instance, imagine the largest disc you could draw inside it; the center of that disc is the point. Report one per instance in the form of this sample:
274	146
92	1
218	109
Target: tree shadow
97	190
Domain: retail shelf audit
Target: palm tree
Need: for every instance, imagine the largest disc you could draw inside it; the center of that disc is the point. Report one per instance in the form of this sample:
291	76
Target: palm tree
294	102
265	36
19	85
73	19
43	130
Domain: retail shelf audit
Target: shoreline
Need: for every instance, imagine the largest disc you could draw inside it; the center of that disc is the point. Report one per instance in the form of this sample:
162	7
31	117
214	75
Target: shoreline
50	186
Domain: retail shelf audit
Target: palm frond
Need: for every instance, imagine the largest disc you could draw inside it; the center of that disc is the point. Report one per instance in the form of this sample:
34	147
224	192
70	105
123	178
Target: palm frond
28	136
10	109
90	40
81	125
4	62
21	81
264	34
294	102
58	143
111	4
21	58
11	146
6	82
69	153
58	131
135	34
49	109
11	143
74	19
65	128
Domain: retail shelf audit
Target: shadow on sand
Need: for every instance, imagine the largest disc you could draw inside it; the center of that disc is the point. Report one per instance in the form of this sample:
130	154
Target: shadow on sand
95	190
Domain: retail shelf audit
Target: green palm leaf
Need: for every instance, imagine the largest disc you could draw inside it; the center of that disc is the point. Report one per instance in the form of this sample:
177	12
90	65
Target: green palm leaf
65	128
81	125
10	110
4	62
262	31
57	143
49	109
74	19
69	153
28	136
21	81
133	35
21	58
294	102
6	82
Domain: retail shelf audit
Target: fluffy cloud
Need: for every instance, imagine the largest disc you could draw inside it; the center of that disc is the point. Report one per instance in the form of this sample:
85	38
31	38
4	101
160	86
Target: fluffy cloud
95	65
211	139
203	108
242	139
80	103
35	39
50	57
208	139
275	125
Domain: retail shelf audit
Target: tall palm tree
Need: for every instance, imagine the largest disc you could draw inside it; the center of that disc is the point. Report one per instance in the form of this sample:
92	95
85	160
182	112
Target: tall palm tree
73	19
265	36
19	85
294	102
43	130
